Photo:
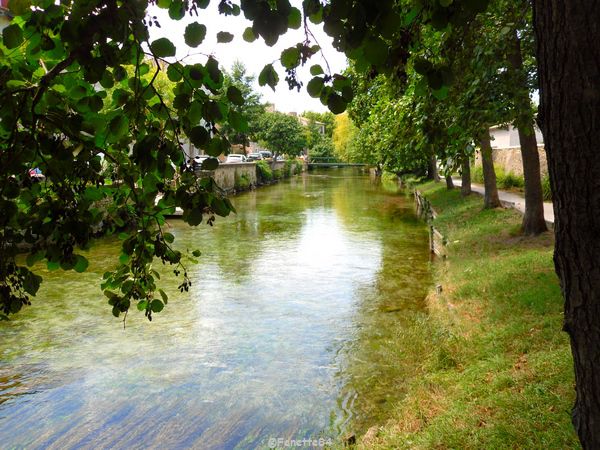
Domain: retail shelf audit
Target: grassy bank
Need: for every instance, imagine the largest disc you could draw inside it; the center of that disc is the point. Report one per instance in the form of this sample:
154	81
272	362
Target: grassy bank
493	368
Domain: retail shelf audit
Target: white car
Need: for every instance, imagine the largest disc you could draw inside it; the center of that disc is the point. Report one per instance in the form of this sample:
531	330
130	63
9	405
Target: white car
235	158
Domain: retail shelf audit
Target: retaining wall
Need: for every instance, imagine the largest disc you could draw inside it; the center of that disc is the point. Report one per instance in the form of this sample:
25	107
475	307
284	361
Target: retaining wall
510	159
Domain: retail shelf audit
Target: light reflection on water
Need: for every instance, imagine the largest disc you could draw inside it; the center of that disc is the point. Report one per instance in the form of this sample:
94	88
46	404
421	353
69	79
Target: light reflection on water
272	341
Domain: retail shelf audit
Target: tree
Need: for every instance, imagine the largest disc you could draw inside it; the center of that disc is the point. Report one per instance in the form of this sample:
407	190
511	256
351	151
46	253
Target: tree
344	135
76	88
326	118
237	84
281	133
569	115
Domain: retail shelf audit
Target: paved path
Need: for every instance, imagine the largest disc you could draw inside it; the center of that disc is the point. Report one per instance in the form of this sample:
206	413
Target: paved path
512	200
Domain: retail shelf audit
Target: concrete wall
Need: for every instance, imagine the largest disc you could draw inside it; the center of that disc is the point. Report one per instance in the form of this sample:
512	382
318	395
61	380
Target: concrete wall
226	174
508	136
510	159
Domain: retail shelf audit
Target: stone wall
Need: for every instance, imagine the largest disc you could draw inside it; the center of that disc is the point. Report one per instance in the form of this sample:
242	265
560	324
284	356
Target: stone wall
509	159
226	174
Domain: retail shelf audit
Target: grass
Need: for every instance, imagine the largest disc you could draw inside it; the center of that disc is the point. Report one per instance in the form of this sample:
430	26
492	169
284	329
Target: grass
511	182
492	368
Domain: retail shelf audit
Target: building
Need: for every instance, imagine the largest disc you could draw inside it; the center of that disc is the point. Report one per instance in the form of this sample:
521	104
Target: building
507	136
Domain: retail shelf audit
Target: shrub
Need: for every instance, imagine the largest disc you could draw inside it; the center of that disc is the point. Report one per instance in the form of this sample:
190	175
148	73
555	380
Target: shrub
510	180
242	181
287	168
264	172
277	174
504	180
477	174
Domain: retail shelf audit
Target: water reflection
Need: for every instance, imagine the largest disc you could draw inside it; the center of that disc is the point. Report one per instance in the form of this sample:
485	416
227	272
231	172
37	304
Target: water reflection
284	334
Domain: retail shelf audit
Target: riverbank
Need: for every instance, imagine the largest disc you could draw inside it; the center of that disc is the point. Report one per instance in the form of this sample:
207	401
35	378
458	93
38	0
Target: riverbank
491	366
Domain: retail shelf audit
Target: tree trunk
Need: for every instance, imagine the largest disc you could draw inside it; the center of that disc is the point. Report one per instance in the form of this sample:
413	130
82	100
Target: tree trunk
533	219
465	175
568	58
432	172
449	182
490	198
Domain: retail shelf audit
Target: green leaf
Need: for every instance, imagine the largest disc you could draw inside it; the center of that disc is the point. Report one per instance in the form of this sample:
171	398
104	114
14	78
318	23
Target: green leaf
336	104
315	86
32	258
193	216
12	36
316	70
53	265
81	264
290	57
177	10
157	306
119	127
142	305
164	296
196	253
162	48
198	136
294	18
268	76
376	51
175	72
210	164
234	95
194	34
31	283
445	3
223	37
249	35
238	121
422	66
194	113
219	207
441	93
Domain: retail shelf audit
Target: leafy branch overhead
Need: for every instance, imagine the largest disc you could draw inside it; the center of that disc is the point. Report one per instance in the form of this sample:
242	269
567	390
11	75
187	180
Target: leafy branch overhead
103	112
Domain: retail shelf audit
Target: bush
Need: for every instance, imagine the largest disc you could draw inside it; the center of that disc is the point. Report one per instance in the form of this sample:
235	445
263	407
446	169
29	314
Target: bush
509	180
546	190
504	180
277	174
242	181
287	168
264	172
477	174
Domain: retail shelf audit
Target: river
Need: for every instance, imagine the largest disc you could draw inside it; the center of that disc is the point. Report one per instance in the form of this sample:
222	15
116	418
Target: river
287	331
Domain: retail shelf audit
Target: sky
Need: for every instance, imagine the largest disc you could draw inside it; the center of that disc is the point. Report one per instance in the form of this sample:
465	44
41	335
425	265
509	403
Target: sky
254	55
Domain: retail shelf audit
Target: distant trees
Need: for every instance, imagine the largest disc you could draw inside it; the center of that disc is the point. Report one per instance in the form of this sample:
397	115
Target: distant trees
237	84
344	135
280	133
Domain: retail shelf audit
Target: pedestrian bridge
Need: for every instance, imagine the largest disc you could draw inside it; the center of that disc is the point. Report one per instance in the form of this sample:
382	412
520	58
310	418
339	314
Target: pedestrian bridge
331	162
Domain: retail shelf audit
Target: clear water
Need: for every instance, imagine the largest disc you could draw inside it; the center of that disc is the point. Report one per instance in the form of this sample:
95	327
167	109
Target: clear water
280	336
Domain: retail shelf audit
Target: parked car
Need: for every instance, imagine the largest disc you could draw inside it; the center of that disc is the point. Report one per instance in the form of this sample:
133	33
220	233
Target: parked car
254	157
266	154
235	158
36	175
198	160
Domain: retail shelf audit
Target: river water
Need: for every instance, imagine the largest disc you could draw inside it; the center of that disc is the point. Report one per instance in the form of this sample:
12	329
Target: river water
286	332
